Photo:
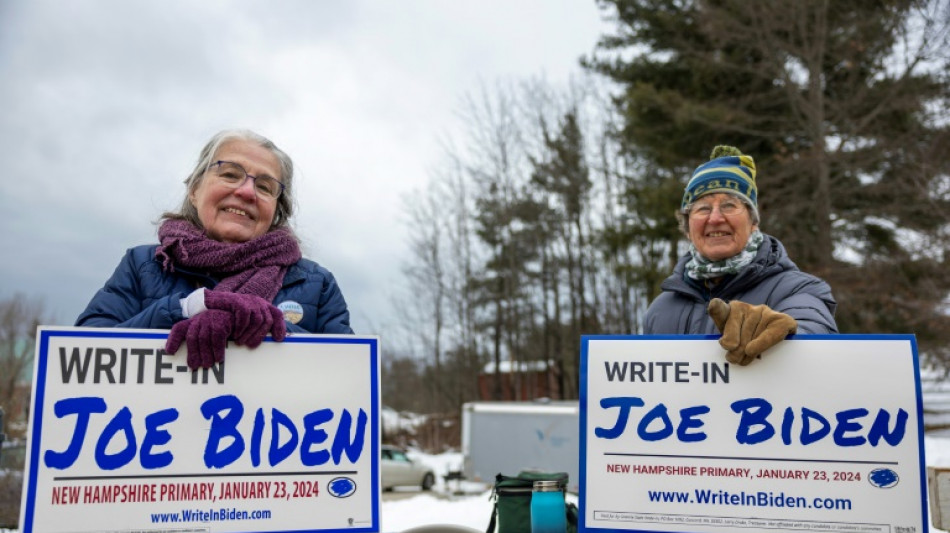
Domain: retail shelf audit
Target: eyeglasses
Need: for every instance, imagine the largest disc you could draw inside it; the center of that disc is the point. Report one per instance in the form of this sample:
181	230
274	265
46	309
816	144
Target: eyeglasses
726	208
233	175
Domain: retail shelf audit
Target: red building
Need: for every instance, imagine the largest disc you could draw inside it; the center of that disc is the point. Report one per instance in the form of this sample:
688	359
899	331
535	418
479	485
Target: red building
524	381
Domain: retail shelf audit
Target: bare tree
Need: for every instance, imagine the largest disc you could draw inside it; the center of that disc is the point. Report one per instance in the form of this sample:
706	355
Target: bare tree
497	168
19	318
425	273
439	307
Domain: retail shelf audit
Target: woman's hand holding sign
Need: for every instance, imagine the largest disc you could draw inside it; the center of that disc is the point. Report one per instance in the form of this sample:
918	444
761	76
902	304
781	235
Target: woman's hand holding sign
748	330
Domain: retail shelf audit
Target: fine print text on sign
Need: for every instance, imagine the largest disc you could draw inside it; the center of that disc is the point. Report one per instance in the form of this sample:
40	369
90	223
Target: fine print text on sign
822	433
124	437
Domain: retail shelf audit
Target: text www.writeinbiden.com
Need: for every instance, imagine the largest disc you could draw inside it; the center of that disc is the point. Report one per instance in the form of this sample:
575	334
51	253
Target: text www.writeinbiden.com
209	515
748	499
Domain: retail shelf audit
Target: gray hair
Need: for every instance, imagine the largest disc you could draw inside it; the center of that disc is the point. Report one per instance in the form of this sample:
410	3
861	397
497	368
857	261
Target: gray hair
682	215
285	203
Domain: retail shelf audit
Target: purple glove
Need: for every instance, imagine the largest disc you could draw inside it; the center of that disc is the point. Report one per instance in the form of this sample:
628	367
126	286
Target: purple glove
206	335
252	317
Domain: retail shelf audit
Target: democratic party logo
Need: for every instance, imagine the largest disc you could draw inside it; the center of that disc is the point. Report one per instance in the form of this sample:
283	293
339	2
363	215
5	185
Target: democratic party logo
341	487
883	478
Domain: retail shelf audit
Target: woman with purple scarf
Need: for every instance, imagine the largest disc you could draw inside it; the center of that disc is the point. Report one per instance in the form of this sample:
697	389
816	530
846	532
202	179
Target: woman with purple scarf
227	265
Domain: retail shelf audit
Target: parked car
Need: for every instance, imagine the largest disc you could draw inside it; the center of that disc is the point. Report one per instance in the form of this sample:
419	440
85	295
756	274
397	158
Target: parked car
398	469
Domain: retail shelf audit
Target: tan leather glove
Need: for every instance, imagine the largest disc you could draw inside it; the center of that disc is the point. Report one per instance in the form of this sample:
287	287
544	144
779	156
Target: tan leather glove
748	330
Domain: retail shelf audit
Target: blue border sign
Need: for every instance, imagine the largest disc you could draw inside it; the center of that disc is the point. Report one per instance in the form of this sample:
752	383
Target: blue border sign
124	437
822	433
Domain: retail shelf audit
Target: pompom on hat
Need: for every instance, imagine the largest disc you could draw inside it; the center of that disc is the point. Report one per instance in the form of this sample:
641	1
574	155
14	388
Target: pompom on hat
727	170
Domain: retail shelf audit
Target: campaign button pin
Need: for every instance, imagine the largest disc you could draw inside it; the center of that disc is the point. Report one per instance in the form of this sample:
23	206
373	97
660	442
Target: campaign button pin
293	311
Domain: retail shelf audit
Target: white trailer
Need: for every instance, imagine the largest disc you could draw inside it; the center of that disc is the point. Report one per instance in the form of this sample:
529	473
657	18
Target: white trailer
508	437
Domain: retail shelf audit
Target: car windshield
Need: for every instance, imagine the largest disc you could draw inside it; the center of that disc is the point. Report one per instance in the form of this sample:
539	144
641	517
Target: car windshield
400	456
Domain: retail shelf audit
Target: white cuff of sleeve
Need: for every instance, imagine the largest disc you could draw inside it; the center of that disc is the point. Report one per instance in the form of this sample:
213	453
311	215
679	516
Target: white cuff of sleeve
194	303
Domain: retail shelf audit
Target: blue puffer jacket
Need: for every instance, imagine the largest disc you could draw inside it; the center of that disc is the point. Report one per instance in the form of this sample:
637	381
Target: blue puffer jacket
141	295
771	279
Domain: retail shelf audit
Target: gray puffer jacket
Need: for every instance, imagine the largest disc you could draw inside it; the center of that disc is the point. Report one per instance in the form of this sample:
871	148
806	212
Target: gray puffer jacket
771	279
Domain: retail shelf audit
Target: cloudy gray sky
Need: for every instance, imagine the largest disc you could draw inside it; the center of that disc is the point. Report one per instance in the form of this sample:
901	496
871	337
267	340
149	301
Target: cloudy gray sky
107	102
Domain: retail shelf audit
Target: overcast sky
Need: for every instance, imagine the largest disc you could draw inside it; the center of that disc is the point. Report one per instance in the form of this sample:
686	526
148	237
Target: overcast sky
107	103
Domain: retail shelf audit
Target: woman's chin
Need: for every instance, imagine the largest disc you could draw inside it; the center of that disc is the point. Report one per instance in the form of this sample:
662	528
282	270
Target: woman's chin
719	253
232	235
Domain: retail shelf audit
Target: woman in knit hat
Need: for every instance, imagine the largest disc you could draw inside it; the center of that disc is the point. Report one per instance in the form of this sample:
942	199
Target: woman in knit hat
227	265
735	279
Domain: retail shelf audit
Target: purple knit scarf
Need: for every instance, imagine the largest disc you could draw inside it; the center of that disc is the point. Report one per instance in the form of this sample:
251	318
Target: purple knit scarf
253	267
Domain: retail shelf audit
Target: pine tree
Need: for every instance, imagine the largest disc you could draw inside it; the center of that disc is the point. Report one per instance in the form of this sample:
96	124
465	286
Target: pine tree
843	106
563	181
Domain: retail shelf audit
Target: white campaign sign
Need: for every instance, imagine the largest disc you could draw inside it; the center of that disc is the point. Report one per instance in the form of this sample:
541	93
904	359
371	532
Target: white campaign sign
822	433
124	437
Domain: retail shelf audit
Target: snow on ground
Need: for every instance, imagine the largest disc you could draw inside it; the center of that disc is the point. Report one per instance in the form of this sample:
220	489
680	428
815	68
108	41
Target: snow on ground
463	503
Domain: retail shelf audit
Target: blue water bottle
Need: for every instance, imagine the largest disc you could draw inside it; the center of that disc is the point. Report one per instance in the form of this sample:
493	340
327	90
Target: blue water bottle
548	514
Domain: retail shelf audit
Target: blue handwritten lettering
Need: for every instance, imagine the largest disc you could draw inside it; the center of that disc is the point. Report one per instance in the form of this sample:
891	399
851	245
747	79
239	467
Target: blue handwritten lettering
808	436
879	428
624	403
223	427
120	423
340	445
753	412
117	445
689	421
154	436
313	435
756	424
83	408
659	415
225	413
278	452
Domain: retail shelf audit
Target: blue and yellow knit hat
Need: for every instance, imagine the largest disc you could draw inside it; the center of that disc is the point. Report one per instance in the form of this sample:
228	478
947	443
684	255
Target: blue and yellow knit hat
727	170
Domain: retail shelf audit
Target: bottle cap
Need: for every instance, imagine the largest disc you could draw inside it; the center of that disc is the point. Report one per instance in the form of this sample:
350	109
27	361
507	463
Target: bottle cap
546	486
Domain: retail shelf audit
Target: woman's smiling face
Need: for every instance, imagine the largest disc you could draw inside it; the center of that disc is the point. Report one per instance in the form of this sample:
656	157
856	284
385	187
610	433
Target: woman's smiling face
718	236
237	215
